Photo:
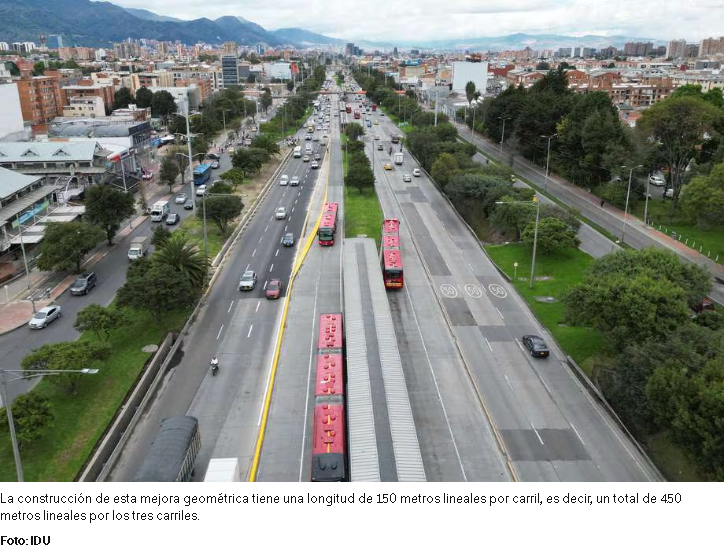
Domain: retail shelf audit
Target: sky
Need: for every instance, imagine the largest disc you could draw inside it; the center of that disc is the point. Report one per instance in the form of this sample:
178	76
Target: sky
424	20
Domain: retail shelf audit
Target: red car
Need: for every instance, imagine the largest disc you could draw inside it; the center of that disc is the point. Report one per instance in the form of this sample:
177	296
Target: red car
274	289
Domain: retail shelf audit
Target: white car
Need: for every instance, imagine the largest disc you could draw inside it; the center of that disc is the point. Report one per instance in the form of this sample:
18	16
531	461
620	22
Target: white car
406	178
281	213
284	181
181	198
295	181
44	316
416	172
657	181
201	190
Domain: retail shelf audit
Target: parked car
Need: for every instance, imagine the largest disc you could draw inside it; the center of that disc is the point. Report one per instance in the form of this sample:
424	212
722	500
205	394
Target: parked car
416	172
406	178
189	205
657	181
288	239
248	280
314	165
284	180
84	283
181	198
281	213
295	181
147	175
172	219
274	289
215	164
536	346
44	316
201	190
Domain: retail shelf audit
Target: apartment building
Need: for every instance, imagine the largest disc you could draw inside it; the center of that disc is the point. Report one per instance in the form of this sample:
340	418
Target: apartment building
40	100
711	47
151	79
86	88
90	106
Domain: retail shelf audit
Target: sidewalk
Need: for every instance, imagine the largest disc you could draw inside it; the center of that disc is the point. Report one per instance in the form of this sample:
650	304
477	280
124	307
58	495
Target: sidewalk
560	188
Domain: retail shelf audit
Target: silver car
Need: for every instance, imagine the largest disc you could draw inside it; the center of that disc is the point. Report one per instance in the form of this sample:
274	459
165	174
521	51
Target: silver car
248	280
44	316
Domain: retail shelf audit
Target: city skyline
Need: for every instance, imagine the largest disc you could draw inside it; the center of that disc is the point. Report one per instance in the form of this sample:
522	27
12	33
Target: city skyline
429	20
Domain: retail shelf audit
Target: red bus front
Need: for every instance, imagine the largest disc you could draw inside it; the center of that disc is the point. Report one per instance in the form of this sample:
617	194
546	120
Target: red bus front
348	108
357	114
375	107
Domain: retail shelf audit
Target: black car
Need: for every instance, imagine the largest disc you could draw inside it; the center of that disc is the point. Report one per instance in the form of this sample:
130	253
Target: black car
536	346
84	283
288	239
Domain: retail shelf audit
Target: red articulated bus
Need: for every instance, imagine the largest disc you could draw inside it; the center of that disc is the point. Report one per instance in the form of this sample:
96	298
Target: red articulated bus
357	114
375	107
329	450
328	225
391	255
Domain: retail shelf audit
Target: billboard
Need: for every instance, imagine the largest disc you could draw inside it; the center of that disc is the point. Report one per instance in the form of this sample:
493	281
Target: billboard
463	72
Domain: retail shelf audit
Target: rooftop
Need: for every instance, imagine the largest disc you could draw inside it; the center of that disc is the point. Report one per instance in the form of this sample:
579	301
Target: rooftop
12	182
49	151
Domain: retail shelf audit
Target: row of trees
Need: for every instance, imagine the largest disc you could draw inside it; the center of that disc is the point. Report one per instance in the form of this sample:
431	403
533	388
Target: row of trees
681	135
359	171
666	371
161	102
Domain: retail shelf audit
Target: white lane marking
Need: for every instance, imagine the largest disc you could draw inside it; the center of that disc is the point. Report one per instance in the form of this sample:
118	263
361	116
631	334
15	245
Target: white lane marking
293	209
471	268
260	240
489	344
220	332
265	229
253	253
290	218
277	253
285	228
295	201
537	434
271	268
499	313
265	286
545	385
577	434
257	308
247	267
250	333
508	382
230	306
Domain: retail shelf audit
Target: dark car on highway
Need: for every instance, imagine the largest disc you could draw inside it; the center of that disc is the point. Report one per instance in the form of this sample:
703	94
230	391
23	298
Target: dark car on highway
288	239
536	346
84	283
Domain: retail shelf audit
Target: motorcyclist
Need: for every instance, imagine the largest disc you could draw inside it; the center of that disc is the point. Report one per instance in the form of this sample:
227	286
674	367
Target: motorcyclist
214	365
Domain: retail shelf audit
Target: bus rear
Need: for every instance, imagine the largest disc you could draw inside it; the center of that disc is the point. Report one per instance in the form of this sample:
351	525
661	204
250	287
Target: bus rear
392	269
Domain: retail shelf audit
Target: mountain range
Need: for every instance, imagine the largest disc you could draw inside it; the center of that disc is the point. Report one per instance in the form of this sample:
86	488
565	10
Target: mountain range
98	24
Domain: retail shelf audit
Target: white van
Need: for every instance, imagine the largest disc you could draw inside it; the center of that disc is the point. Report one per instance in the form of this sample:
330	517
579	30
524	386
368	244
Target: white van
160	210
308	149
298	152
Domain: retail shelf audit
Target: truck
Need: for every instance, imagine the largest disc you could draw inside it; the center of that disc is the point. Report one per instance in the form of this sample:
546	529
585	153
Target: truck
139	247
298	152
223	470
398	158
160	210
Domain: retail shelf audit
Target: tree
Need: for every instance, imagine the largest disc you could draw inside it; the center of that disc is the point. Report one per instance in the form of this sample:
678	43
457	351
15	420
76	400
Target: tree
679	126
38	68
122	98
163	104
443	168
222	210
353	131
470	89
220	187
180	254
360	175
266	100
180	155
543	66
156	288
160	235
702	199
290	86
266	142
169	172
554	234
66	244
234	176
32	415
101	320
512	216
67	356
107	207
144	97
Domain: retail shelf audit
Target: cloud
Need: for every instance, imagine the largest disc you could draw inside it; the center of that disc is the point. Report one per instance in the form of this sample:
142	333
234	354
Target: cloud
408	21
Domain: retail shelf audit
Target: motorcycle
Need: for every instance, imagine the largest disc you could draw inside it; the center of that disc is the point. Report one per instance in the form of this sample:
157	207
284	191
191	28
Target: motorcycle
214	367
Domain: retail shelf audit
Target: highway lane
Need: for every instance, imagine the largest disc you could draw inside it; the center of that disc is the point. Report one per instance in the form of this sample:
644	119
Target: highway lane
240	328
286	451
456	440
551	428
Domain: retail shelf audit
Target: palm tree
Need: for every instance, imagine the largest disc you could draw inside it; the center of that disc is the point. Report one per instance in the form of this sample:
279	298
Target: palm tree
470	89
180	254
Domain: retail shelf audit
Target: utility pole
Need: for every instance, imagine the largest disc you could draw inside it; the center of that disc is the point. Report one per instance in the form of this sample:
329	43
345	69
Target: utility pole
548	151
435	117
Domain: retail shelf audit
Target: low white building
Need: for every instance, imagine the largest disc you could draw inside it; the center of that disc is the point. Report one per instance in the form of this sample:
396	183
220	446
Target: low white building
278	70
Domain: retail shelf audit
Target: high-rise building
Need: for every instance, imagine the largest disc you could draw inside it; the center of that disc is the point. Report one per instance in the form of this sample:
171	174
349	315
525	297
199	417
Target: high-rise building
350	49
229	48
637	48
230	71
40	100
676	49
711	46
55	42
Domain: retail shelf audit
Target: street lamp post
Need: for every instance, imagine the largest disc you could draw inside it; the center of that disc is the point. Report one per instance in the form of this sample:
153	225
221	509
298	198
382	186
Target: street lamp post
548	151
626	203
19	375
536	234
503	131
473	123
224	118
646	198
186	116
